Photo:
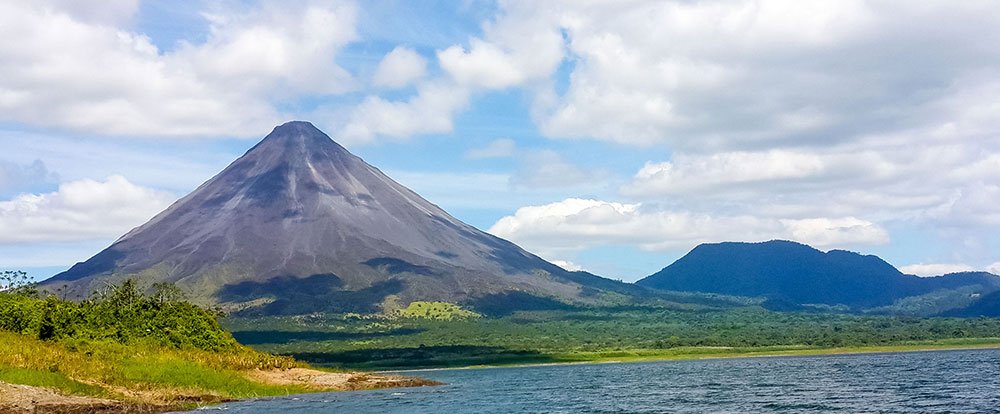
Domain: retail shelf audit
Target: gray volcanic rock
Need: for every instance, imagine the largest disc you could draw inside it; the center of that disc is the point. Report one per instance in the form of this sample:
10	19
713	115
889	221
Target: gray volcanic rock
299	224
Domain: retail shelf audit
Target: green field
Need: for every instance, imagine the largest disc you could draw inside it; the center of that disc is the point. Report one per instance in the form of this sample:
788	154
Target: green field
392	342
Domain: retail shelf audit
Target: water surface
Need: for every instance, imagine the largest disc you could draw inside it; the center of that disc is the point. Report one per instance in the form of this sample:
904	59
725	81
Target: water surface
965	381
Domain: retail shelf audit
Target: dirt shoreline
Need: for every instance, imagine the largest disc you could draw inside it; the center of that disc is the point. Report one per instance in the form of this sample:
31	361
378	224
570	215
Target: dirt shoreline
24	399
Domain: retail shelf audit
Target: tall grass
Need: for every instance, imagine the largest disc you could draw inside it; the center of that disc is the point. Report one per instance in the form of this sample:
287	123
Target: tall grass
105	369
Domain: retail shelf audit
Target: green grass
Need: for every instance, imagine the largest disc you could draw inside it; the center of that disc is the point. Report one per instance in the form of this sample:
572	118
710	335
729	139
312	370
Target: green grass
435	310
104	369
171	372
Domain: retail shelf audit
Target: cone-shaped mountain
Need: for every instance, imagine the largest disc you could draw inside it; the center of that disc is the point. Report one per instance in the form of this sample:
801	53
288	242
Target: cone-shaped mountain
299	224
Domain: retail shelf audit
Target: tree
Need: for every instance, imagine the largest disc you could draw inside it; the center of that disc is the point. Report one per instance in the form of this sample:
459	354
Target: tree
15	281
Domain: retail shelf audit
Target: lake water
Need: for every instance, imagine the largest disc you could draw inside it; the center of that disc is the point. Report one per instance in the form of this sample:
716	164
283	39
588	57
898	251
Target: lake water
918	382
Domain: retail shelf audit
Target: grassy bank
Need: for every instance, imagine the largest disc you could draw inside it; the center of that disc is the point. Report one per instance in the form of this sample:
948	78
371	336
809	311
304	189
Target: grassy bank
127	346
589	335
138	373
147	351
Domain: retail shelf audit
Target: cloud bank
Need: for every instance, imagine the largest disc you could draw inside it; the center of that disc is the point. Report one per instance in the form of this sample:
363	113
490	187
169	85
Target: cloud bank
78	69
80	210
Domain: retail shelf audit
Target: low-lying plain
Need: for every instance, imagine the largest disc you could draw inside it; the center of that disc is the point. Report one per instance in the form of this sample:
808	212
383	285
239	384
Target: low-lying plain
396	342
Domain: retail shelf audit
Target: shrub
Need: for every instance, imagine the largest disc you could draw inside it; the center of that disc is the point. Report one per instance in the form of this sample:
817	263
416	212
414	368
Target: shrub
120	313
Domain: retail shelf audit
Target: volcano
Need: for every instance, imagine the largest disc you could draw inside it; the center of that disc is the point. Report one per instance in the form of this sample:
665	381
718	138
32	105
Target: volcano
299	224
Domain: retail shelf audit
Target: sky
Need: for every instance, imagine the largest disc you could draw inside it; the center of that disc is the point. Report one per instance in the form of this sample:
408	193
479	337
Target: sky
609	136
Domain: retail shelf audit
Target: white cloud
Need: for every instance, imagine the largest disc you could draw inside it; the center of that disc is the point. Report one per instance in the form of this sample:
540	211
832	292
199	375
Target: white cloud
994	268
935	269
399	68
568	265
522	45
688	173
79	210
275	48
429	111
83	71
950	184
518	49
745	74
836	231
499	148
575	224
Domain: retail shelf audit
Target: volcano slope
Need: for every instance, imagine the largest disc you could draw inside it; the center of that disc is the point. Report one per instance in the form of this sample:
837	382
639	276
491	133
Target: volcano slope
299	225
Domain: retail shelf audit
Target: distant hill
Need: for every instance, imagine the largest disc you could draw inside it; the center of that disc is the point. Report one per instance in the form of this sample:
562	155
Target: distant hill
793	273
299	224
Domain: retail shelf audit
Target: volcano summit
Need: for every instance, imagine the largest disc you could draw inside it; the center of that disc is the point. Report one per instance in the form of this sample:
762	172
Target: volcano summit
299	224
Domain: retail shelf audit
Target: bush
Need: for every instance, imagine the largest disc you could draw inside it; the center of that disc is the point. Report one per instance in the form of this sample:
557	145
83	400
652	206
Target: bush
121	314
18	313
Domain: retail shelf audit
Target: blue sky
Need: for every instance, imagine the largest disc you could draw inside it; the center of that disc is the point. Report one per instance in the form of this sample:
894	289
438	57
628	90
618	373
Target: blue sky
607	136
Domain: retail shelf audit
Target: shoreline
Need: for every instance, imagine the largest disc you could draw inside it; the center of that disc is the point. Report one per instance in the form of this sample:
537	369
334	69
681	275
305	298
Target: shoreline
27	399
19	398
638	355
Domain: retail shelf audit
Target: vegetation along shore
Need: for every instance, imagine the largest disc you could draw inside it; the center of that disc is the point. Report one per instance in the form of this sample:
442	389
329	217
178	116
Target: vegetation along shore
125	351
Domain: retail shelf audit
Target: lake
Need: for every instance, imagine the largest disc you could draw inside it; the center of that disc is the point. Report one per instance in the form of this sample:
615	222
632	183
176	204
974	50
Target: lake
965	381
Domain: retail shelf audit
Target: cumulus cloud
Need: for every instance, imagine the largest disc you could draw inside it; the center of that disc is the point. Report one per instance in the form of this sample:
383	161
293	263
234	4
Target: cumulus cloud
743	75
735	75
80	210
994	268
843	231
523	44
81	70
399	68
949	183
575	224
274	48
520	48
429	111
746	74
499	148
935	269
788	112
687	173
